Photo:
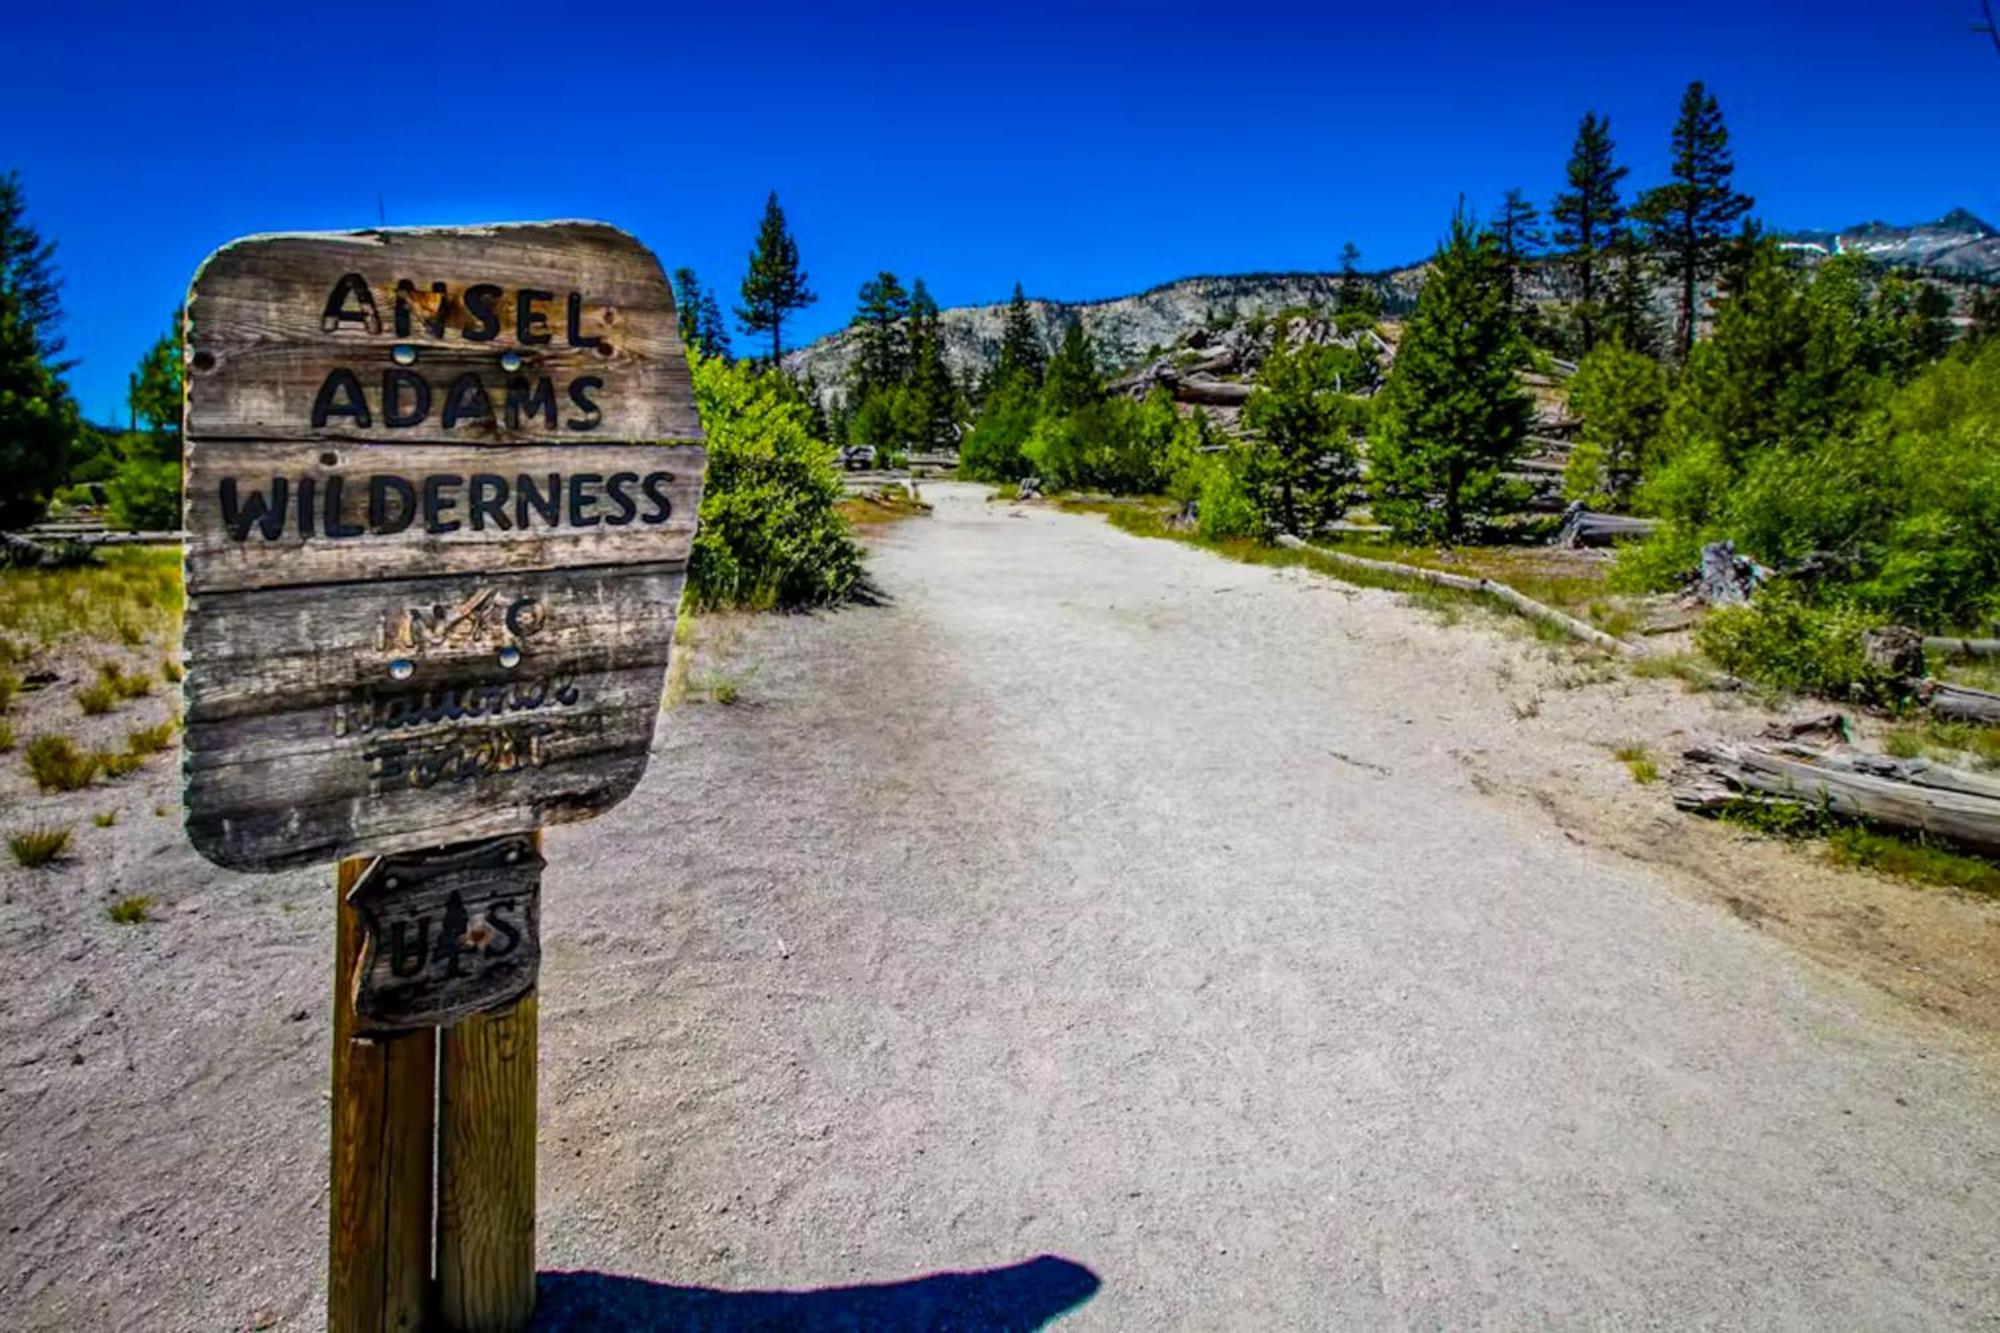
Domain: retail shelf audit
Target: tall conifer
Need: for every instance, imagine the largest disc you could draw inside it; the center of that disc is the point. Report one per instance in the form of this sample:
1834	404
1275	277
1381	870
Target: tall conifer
1453	416
1517	231
1688	220
1588	215
1021	352
775	285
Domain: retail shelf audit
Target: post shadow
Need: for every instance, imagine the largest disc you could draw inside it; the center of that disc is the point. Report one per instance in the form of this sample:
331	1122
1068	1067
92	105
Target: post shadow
1015	1299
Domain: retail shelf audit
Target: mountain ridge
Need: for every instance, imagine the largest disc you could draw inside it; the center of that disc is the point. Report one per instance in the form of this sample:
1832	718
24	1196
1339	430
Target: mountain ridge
1958	249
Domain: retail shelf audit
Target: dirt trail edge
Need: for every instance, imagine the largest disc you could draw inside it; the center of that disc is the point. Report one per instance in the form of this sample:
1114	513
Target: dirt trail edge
1101	931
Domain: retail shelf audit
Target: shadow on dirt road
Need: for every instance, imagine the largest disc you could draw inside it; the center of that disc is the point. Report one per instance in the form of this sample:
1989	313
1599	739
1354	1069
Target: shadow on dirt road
1014	1299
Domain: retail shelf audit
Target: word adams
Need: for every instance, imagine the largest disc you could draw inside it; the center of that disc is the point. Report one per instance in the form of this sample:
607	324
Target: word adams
383	504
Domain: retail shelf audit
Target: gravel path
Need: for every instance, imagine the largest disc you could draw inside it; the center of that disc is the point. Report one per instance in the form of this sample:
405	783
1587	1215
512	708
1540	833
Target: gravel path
1105	926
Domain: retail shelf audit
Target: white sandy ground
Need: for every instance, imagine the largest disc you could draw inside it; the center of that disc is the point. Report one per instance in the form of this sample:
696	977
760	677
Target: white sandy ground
1223	932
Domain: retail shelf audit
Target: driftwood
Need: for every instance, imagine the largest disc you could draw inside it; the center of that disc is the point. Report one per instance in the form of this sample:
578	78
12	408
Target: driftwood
1519	601
1957	703
1583	527
1910	794
1212	392
1949	647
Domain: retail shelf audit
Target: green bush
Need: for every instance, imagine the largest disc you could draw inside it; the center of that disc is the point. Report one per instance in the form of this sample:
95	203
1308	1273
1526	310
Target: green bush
1779	640
1226	507
145	494
1807	428
771	534
1620	396
992	449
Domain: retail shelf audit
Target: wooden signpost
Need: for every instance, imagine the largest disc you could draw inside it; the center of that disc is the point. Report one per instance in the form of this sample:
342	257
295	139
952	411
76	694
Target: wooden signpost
441	491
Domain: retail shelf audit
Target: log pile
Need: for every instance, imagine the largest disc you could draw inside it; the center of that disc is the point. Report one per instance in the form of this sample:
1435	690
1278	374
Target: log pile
1912	795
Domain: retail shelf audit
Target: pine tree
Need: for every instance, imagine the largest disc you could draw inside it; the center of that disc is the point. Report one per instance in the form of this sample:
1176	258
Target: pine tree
1355	294
1303	469
714	332
38	421
1628	304
1589	216
1072	380
1452	417
881	337
687	307
1518	233
1688	220
1021	351
28	274
931	385
775	286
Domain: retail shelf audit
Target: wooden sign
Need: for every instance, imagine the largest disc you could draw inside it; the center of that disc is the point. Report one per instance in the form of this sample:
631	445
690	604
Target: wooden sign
447	934
441	491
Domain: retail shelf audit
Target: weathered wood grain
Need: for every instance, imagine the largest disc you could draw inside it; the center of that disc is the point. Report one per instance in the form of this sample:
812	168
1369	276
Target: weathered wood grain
260	349
486	1171
267	644
509	532
1927	799
428	640
449	933
379	1209
293	809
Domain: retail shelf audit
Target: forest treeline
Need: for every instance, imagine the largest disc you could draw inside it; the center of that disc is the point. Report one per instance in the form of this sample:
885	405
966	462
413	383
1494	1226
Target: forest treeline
1838	422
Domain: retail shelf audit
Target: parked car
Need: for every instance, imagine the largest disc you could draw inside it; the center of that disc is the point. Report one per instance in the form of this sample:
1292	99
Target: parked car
858	458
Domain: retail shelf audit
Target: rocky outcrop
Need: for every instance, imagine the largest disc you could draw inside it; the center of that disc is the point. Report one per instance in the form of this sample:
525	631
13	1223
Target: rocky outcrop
1134	331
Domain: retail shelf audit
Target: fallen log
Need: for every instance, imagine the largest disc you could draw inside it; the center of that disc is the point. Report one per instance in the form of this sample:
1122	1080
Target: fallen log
1957	703
1583	527
1912	795
1212	392
1519	601
1949	647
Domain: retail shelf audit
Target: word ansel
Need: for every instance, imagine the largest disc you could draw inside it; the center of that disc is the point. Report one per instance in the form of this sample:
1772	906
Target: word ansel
479	313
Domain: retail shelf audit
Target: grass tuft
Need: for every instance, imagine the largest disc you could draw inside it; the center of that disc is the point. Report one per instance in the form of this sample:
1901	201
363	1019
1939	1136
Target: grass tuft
6	735
171	671
97	699
1640	761
129	911
120	763
150	740
38	846
105	818
1919	860
57	764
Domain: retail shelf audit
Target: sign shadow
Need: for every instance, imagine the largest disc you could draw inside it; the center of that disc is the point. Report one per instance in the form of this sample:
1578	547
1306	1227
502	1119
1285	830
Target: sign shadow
1015	1299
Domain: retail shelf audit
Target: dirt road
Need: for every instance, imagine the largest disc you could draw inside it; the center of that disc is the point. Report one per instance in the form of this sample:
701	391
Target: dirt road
1116	932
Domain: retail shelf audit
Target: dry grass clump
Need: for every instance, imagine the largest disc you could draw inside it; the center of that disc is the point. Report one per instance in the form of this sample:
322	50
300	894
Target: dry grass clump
38	846
129	911
57	763
1639	759
150	740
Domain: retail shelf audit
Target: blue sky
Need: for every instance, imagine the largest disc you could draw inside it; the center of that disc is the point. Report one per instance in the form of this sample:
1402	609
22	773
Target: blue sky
1086	150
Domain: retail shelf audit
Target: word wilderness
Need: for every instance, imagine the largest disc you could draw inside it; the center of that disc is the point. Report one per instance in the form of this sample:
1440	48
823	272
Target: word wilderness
382	504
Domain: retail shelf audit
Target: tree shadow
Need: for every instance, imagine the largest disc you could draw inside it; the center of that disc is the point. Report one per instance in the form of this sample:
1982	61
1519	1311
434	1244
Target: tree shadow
1015	1299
